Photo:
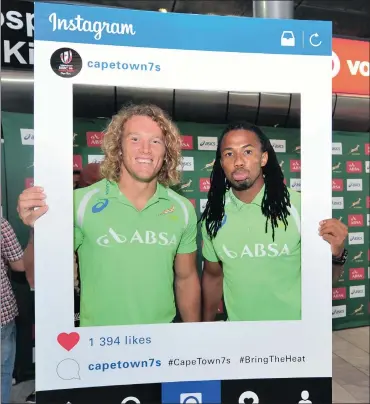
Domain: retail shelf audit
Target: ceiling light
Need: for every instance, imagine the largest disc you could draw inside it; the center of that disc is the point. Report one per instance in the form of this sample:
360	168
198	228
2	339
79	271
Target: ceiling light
163	10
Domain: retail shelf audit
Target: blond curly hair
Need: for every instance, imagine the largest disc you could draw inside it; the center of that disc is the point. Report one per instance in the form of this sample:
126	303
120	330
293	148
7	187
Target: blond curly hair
112	143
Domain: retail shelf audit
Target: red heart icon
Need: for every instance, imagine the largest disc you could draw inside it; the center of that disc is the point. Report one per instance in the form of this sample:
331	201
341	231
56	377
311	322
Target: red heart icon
68	341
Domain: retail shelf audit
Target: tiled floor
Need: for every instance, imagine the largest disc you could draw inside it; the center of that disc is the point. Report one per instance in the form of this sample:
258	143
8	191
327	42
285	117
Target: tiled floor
350	368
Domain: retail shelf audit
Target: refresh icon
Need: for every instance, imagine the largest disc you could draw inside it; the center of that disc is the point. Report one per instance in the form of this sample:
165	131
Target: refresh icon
315	40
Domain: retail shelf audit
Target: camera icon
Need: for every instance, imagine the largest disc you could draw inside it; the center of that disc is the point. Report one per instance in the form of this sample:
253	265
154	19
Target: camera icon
191	398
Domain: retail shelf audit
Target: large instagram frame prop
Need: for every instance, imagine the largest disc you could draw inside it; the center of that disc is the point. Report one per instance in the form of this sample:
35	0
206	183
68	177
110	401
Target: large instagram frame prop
193	52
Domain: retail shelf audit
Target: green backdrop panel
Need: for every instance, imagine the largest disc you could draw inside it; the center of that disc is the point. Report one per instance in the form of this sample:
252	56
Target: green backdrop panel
351	184
351	201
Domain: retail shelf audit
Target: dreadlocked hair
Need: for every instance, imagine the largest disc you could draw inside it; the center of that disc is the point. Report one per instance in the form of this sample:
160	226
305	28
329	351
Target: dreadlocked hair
276	199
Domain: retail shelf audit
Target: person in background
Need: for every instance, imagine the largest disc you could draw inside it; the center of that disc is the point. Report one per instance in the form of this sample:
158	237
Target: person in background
90	174
251	230
151	229
12	256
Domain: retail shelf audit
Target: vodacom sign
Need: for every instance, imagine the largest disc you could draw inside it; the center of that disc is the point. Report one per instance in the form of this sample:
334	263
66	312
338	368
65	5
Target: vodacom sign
351	66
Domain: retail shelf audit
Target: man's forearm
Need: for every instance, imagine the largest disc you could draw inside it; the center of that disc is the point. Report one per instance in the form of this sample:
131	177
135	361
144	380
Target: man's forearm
188	298
29	261
212	295
17	266
337	271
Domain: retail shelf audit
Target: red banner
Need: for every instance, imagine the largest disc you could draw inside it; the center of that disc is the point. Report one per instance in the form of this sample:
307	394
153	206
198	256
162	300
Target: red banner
351	66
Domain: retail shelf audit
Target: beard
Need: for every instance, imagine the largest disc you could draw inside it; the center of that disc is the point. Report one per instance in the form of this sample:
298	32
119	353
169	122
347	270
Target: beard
240	186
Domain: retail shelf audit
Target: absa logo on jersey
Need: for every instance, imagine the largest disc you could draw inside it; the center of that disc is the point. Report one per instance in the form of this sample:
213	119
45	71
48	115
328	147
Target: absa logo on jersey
147	237
101	205
259	250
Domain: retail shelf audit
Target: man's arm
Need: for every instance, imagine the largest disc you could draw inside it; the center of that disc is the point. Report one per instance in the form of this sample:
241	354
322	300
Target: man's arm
29	260
335	233
17	266
29	252
187	284
337	271
212	280
187	287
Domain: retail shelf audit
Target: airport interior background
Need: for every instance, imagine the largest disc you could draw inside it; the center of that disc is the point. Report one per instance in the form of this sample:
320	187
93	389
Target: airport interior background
203	114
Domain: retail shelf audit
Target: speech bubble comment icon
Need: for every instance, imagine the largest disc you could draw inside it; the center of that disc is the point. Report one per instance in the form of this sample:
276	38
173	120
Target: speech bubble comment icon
130	400
68	369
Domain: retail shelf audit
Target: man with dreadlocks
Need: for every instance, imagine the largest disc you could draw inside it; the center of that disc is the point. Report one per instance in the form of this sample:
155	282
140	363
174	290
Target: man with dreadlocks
251	233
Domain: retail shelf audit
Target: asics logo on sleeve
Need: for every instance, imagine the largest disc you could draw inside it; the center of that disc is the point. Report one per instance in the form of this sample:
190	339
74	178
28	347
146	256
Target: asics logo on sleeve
101	205
146	237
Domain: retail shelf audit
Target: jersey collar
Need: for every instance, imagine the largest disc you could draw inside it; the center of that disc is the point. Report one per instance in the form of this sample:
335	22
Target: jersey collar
239	204
112	191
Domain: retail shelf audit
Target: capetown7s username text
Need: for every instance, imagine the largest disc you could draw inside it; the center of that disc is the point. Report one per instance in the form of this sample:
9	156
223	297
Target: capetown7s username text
156	363
106	366
126	66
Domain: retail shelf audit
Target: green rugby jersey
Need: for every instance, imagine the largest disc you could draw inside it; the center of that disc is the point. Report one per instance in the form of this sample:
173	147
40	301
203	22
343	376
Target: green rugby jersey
262	277
126	256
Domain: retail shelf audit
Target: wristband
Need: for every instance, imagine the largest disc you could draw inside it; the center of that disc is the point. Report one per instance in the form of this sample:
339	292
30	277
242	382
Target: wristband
340	260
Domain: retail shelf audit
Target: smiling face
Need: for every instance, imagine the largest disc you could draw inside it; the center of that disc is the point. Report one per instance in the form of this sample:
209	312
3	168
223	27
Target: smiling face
143	148
242	158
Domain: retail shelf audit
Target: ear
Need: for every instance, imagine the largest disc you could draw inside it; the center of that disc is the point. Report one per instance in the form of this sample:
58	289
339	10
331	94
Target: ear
264	158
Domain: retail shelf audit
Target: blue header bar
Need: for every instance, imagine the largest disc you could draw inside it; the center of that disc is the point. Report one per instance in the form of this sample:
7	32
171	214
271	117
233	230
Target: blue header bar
146	29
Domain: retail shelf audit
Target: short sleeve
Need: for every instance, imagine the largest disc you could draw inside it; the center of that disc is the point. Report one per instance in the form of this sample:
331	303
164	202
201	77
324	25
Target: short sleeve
295	200
295	208
208	250
78	233
188	242
11	250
